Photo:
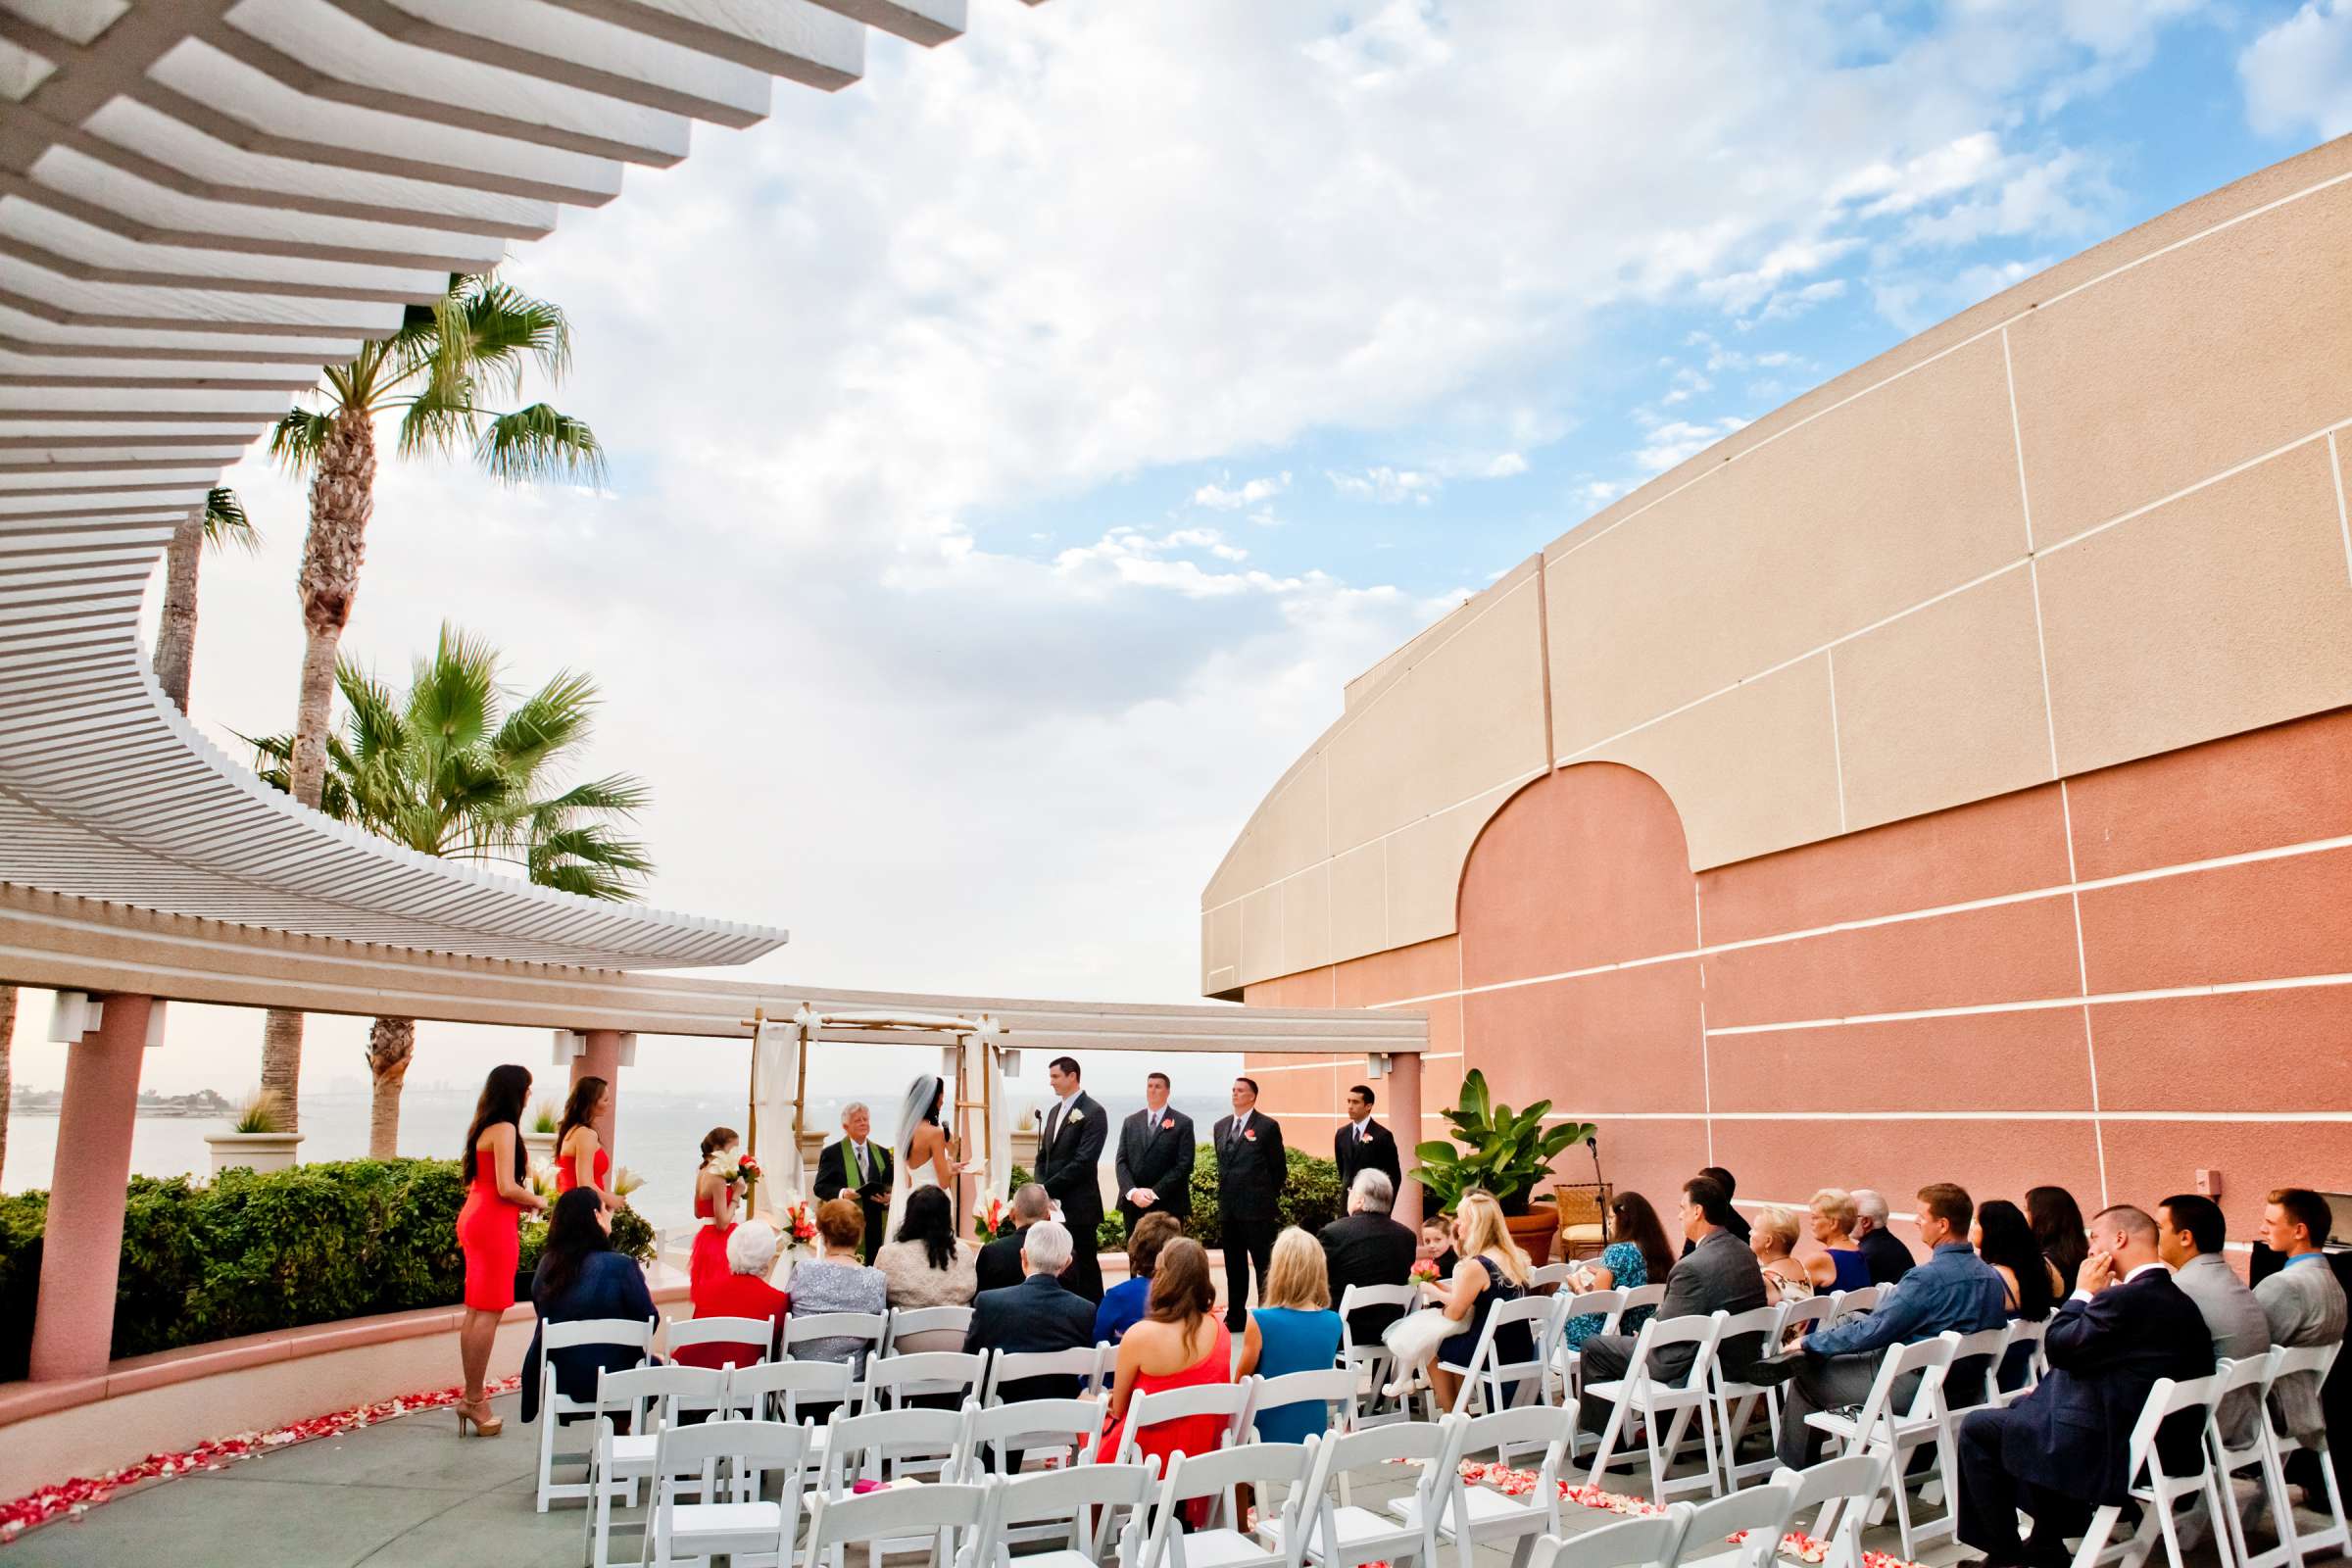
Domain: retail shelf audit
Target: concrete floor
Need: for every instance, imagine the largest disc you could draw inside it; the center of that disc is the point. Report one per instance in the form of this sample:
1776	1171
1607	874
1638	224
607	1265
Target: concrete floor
410	1492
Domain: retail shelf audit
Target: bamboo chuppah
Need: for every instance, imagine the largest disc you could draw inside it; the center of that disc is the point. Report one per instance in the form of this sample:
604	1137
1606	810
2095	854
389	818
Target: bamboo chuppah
970	1049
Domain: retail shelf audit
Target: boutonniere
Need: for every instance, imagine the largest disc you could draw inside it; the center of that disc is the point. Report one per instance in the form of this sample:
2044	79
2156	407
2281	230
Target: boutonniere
1077	1116
1167	1124
1250	1135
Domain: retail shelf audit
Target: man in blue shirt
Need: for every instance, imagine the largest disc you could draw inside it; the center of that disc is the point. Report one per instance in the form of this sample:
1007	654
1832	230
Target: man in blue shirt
1954	1288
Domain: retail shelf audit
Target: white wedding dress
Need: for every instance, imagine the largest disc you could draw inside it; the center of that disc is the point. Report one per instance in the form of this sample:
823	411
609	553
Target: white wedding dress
907	1177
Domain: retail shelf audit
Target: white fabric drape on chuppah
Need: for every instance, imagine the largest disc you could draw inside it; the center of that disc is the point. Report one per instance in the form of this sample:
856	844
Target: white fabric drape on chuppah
777	1075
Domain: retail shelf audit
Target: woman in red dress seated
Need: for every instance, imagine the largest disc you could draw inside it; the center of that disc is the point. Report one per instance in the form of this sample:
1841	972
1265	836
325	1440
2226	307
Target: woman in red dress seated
581	1158
742	1292
489	1230
714	1202
1181	1343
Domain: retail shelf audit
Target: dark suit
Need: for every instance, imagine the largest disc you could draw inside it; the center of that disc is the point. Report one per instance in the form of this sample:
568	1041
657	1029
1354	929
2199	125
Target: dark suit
1889	1259
1036	1314
1251	1172
1069	1159
1718	1274
833	1173
1375	1149
1367	1250
2063	1444
1155	1151
999	1265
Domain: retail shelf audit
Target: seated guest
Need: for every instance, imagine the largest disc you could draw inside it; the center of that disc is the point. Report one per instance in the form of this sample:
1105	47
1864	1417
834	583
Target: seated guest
1182	1342
2189	1234
1953	1288
925	1265
581	1278
1367	1247
837	1280
1639	1256
742	1292
1732	1218
2060	1450
1840	1267
1889	1259
2029	1285
1773	1241
2305	1306
1292	1329
1716	1273
1124	1303
2057	1221
1040	1313
998	1266
1493	1269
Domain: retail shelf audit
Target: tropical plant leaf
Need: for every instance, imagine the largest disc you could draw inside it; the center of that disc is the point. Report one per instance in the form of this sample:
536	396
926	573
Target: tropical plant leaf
540	442
297	440
225	522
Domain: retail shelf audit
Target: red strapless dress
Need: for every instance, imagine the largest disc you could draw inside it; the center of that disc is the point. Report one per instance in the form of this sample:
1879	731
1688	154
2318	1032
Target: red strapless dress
709	1241
568	1173
489	1233
1192	1434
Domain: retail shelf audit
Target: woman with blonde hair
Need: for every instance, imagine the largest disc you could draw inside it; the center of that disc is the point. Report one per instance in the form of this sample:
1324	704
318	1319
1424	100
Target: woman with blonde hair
1832	1221
1774	1241
1293	1330
1493	1269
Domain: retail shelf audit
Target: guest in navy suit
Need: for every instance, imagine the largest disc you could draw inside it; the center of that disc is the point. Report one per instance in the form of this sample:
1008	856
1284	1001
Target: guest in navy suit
1040	1313
2061	1450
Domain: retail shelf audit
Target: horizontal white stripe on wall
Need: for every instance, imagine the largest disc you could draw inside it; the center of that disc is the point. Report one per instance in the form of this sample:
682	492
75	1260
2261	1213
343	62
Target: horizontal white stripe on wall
2225	988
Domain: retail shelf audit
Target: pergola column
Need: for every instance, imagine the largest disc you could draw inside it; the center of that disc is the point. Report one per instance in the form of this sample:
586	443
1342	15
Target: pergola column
602	1059
1405	1120
81	1246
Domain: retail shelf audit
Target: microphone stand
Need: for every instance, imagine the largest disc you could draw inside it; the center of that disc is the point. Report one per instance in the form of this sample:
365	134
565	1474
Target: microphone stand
1600	1186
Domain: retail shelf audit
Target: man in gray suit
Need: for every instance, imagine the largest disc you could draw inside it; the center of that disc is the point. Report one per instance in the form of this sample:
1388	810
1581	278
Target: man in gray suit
2189	1234
1718	1273
2305	1306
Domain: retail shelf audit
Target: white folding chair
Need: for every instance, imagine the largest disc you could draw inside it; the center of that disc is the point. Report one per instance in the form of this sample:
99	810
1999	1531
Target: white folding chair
1845	1487
1638	1542
2155	1488
2036	1361
1655	1400
1548	1276
1879	1428
949	1514
1232	1400
893	1382
1760	1512
1492	1382
2250	1377
554	1407
759	1332
802	1328
993	1431
649	1398
1637	1297
1371	1363
1341	1535
1277	1542
1480	1516
1736	1399
875	1444
1562	1378
775	1391
1986	1347
907	1321
1069	1496
1847	1303
745	1529
1333	1387
1090	1365
2291	1361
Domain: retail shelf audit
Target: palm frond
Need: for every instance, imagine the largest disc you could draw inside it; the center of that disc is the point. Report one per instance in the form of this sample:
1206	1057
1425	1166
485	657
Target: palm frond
540	442
225	522
297	439
555	716
504	326
439	417
623	794
453	696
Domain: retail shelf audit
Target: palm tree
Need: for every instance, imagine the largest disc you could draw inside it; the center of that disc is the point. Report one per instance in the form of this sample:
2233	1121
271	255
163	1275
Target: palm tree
452	770
220	522
439	374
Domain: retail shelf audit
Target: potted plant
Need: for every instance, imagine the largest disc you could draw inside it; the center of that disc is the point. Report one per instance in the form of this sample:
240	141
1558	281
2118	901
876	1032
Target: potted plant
256	1138
539	1133
1504	1152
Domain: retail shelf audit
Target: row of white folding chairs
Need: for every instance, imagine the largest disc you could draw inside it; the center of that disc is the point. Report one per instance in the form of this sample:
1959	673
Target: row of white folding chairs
1685	1535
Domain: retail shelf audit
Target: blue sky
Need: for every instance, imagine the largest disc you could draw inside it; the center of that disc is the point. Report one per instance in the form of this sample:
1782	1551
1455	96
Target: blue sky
1015	453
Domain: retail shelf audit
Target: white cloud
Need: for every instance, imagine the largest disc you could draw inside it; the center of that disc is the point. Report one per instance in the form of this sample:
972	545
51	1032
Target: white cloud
1678	441
1387	486
2298	76
1250	493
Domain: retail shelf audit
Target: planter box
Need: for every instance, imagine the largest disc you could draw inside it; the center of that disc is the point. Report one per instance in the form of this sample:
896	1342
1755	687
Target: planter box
539	1148
260	1153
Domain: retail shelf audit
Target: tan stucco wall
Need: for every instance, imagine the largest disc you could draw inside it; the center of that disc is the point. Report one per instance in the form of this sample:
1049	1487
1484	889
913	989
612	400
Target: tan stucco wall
2096	518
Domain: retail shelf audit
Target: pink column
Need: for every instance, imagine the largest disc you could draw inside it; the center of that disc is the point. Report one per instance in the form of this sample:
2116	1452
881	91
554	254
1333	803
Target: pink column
1405	1120
602	1059
82	1249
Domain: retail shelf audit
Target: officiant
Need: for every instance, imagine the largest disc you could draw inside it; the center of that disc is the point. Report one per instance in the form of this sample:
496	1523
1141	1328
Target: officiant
855	1163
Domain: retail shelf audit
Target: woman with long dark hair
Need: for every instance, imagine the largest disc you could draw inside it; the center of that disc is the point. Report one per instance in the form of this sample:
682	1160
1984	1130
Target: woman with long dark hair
925	1264
581	1278
2057	1221
1182	1342
1638	1257
489	1231
2004	1238
581	1159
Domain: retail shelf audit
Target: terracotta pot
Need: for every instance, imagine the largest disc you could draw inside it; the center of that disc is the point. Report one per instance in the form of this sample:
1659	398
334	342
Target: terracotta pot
1533	1232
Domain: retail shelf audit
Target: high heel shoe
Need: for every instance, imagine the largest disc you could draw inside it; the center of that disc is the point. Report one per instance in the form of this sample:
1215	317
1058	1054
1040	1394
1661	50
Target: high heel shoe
486	1425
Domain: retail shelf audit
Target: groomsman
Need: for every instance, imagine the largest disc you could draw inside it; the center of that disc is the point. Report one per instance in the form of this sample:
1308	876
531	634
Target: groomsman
1155	1158
1250	1173
853	1164
1363	1143
1070	1156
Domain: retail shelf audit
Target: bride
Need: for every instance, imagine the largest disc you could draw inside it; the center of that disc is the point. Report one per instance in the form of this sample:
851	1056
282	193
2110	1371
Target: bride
923	1157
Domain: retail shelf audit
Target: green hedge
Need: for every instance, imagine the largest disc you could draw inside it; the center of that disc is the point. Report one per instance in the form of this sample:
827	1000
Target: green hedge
247	1254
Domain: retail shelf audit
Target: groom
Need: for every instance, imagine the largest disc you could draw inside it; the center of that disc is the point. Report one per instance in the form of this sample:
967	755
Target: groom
859	1166
1069	1150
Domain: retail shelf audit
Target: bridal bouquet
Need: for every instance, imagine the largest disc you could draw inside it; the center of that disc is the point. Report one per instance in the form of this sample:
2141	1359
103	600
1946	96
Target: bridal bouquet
1423	1272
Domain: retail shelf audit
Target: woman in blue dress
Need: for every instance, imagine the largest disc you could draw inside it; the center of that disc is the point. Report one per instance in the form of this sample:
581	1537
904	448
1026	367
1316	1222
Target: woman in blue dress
1492	1269
1842	1266
1639	1256
1297	1332
1124	1304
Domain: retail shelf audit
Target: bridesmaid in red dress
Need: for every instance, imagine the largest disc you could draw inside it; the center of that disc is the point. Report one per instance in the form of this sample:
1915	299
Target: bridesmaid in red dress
581	1159
714	1203
1180	1344
496	1194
